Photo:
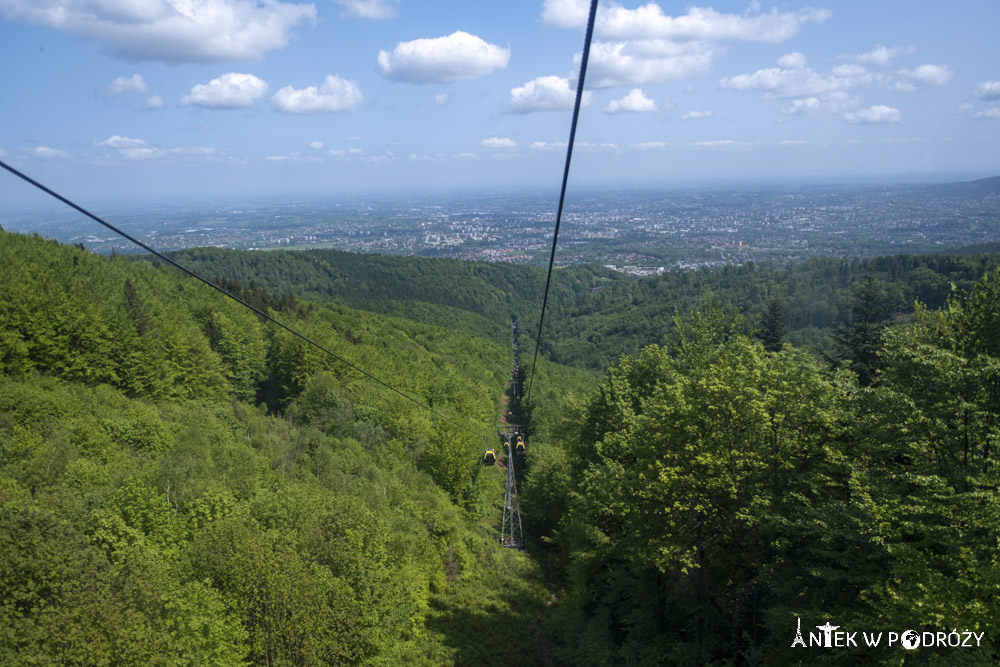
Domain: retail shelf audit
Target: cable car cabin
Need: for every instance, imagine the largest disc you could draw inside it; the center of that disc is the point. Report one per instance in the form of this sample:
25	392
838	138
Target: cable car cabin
490	457
519	446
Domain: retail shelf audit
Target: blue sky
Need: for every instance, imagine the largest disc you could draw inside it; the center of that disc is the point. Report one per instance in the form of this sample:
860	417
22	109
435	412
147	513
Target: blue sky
192	97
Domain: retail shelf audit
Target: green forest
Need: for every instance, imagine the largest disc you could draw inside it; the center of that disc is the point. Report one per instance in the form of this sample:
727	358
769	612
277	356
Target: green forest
712	456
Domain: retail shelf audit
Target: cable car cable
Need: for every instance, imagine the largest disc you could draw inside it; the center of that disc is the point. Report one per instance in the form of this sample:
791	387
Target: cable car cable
562	192
232	296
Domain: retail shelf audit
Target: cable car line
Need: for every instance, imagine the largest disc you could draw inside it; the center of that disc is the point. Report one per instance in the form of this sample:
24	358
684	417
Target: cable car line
562	192
232	296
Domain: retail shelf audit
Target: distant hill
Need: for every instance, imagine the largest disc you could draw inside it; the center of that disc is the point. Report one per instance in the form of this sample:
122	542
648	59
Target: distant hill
595	315
982	186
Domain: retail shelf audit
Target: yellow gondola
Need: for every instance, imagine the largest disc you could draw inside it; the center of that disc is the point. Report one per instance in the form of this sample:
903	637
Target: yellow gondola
490	457
519	446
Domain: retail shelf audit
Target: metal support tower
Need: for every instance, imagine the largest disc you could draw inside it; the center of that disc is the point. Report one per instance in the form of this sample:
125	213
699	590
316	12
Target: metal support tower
510	529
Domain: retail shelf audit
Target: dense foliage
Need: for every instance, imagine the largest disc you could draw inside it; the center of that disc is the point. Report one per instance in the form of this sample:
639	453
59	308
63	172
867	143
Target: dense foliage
596	315
182	484
709	493
153	512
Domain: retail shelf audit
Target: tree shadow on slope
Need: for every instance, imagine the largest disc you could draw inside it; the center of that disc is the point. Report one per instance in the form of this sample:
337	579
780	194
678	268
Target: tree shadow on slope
492	614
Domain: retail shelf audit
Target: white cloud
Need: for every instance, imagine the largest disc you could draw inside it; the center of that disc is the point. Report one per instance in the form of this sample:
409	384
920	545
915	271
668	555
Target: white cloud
49	153
793	142
650	145
696	115
635	101
335	94
171	30
874	115
141	153
718	143
136	149
229	91
355	151
882	56
546	93
792	60
929	75
649	22
499	142
565	13
441	98
154	102
3	153
368	9
457	57
128	84
988	90
991	112
115	141
318	145
789	83
848	71
550	145
646	61
293	158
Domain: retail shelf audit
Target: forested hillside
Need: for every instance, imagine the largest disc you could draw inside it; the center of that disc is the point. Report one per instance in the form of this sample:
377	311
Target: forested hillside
710	493
182	485
596	315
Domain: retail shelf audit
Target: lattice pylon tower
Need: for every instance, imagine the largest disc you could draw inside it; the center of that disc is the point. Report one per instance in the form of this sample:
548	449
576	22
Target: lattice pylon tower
511	534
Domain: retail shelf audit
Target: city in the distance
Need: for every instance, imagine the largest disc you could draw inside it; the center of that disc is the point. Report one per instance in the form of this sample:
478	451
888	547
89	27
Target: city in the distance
636	231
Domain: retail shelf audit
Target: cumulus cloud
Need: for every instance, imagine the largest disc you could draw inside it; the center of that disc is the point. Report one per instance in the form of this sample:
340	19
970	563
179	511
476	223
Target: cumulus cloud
546	93
650	145
882	56
441	98
991	112
644	45
873	115
368	9
318	145
834	102
499	142
127	84
988	90
696	115
635	101
229	91
172	31
142	153
47	153
929	75
803	82
115	141
649	22
137	149
718	143
154	102
549	145
564	13
335	94
848	71
459	56
794	60
293	158
643	62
